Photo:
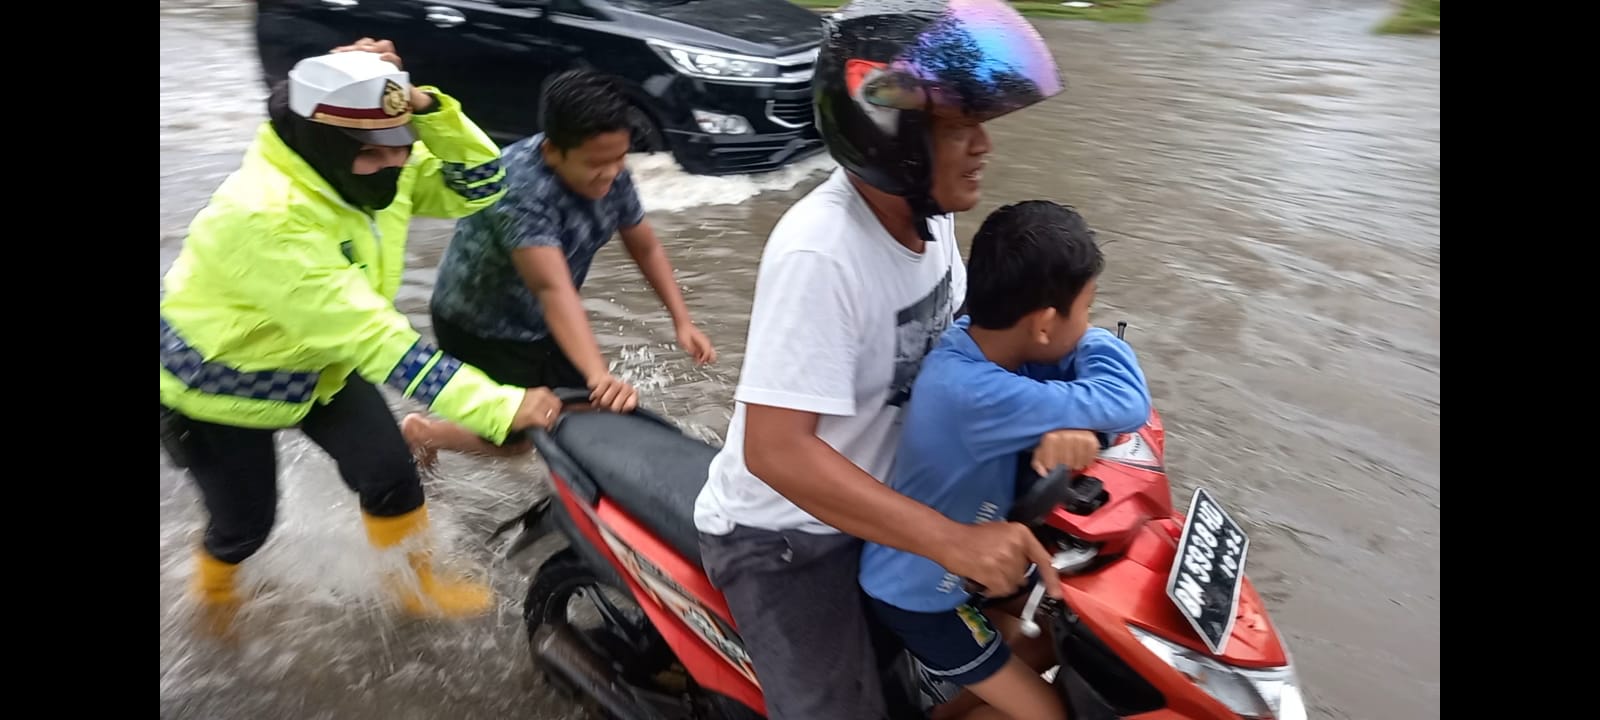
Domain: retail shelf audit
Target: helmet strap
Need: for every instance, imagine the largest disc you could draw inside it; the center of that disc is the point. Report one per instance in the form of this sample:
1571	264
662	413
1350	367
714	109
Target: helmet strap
923	210
923	206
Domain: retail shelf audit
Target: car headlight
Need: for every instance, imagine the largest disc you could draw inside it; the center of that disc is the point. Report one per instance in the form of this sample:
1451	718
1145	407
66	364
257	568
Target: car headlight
713	64
1271	694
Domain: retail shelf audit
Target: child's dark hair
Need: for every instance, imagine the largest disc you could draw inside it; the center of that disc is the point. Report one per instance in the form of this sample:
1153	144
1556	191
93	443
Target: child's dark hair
579	104
1027	256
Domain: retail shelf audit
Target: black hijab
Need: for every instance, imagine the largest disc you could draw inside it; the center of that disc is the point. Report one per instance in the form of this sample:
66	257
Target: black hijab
332	153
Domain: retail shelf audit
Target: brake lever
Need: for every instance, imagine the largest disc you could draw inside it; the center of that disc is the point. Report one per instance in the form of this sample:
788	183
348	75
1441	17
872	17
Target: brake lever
1066	561
1029	627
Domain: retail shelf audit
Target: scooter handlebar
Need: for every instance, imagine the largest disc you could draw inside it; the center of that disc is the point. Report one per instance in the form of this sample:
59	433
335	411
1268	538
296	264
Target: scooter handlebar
1035	506
1043	496
568	396
571	395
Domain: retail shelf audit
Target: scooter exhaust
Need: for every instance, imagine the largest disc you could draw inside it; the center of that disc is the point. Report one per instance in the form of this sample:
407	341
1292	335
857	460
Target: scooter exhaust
562	652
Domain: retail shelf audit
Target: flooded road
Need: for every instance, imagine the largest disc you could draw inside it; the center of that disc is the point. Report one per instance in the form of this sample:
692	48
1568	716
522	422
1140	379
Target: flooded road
1267	175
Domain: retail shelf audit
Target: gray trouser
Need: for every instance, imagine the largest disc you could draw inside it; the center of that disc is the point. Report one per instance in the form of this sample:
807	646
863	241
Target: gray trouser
798	605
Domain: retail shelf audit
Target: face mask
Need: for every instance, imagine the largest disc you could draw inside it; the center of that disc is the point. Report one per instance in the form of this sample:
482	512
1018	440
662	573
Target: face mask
369	192
332	153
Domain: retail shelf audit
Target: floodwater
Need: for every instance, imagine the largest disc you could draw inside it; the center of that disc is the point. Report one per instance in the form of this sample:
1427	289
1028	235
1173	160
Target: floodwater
1267	174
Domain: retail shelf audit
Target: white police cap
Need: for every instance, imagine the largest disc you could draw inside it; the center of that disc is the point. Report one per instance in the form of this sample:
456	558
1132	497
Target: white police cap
359	92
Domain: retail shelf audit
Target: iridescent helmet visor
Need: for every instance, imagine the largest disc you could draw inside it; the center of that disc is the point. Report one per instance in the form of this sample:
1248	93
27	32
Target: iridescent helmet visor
979	59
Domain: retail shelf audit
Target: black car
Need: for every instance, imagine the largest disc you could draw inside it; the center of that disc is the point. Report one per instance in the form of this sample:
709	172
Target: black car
725	85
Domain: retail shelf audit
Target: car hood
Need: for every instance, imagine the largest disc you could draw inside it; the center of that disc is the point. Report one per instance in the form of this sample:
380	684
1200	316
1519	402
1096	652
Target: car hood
764	27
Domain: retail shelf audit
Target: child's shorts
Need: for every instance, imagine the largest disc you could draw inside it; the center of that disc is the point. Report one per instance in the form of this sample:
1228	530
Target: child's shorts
957	645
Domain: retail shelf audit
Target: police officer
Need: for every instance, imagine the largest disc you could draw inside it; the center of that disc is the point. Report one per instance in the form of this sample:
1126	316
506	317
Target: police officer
279	313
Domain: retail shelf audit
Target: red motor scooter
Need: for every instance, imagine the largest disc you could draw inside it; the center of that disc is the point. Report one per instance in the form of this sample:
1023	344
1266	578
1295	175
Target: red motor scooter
1158	620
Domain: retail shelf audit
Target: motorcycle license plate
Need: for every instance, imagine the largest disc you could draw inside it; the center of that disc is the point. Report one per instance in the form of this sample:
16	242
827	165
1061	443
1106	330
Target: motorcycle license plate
1208	570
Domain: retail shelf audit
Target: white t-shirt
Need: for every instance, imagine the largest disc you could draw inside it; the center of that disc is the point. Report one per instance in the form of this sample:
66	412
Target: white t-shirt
843	315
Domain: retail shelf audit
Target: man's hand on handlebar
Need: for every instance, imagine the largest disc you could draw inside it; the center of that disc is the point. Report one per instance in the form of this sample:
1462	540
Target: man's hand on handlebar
1076	449
995	556
539	408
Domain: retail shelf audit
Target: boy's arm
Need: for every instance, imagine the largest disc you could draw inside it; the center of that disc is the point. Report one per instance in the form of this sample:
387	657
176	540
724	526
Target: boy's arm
647	253
544	270
782	448
651	258
1008	413
800	364
541	262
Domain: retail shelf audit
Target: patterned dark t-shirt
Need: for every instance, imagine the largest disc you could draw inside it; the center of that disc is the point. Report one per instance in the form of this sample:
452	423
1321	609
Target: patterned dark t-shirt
478	287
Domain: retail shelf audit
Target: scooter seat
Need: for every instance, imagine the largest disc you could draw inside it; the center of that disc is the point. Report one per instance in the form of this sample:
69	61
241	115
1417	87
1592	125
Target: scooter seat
650	470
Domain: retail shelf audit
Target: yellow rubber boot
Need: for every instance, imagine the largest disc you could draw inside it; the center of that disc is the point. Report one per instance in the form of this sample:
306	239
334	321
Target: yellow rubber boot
425	594
216	590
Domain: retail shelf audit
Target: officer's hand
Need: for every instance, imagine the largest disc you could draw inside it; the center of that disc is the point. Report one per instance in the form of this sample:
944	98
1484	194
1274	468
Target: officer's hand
384	49
420	100
539	408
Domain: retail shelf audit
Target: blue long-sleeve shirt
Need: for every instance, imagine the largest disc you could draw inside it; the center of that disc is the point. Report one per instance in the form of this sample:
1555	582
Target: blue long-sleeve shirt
966	424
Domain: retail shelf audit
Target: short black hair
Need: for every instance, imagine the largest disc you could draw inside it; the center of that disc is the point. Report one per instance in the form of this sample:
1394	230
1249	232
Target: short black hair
1027	256
580	104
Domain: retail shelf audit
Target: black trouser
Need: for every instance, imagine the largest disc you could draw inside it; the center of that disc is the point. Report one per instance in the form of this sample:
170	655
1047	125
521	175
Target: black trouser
797	600
236	468
539	363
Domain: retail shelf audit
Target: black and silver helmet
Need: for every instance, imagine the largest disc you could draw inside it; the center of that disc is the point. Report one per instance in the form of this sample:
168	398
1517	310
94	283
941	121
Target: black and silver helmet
886	65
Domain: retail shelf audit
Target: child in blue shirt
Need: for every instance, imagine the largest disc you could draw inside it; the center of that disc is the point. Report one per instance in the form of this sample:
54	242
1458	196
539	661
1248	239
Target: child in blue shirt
1021	364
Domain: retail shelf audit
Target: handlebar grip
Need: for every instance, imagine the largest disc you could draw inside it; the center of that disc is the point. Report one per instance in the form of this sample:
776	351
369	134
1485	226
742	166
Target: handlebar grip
571	395
976	589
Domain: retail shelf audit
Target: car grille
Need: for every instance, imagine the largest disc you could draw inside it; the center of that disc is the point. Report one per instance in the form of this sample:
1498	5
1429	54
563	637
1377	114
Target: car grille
760	158
792	112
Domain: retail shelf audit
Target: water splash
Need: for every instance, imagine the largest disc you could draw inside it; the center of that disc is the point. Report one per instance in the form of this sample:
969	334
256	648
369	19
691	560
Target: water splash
664	186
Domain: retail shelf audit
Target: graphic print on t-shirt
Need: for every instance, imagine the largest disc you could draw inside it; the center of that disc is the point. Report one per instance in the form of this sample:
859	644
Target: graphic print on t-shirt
916	328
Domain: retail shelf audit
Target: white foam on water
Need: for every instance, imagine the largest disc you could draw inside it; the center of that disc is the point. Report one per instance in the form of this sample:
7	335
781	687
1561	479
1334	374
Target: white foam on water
318	554
664	186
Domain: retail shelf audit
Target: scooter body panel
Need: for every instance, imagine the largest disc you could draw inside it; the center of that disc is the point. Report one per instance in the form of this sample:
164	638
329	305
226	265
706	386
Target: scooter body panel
685	609
1135	531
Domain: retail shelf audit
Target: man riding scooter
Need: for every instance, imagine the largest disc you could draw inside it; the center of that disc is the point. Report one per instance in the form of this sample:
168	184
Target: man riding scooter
856	283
